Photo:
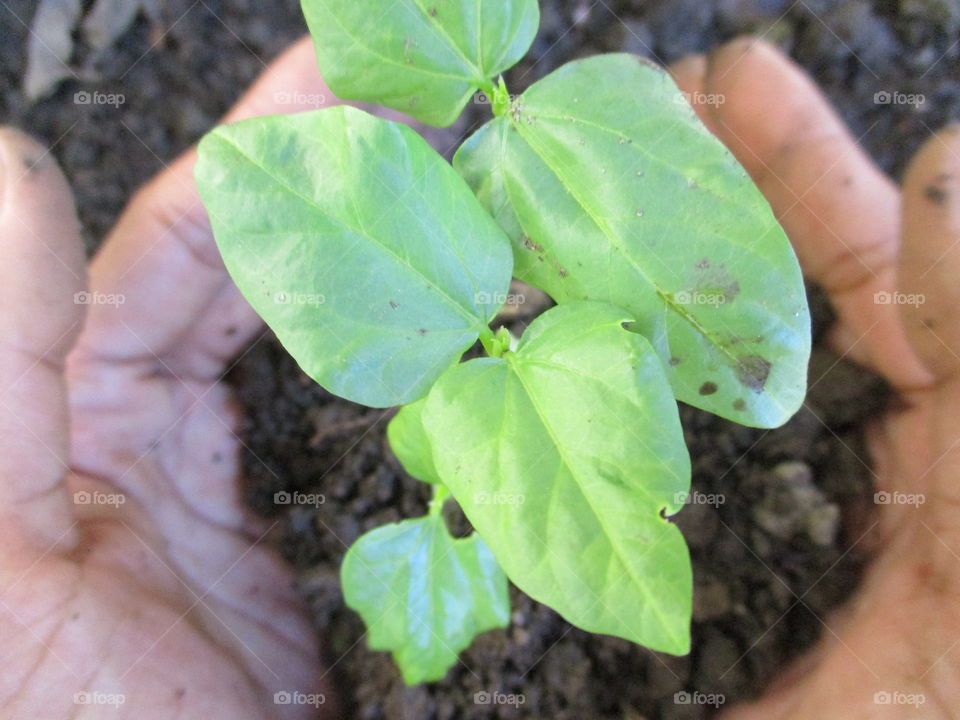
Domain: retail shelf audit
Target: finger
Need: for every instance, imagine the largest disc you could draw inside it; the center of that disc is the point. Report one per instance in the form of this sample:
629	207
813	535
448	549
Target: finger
181	313
180	310
930	260
841	213
41	283
690	74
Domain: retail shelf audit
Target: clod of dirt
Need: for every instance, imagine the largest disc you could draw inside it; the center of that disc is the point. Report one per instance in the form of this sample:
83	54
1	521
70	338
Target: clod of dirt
792	504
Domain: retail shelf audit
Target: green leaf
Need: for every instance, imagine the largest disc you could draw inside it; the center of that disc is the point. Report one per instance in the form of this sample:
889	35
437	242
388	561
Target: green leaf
410	443
612	190
424	595
364	251
563	455
422	57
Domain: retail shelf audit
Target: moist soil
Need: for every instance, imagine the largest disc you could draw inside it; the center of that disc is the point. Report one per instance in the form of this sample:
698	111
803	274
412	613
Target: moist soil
769	561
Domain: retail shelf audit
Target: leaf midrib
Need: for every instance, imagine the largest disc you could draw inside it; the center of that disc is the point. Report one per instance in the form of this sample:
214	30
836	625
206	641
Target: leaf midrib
614	241
475	322
515	363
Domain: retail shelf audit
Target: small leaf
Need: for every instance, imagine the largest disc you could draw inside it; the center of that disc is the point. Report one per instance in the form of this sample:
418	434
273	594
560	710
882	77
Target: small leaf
424	595
611	189
410	443
422	57
563	455
364	251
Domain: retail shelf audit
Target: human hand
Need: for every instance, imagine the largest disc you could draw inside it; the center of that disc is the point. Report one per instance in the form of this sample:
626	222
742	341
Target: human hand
891	652
129	568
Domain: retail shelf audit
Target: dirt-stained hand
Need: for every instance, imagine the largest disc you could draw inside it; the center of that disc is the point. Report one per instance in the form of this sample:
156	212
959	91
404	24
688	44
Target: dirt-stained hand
889	260
133	583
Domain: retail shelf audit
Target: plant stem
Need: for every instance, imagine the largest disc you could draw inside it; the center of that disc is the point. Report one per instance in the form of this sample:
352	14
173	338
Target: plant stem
489	341
440	495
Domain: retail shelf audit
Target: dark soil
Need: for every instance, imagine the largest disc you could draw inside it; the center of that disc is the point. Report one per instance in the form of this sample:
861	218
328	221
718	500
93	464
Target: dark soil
767	561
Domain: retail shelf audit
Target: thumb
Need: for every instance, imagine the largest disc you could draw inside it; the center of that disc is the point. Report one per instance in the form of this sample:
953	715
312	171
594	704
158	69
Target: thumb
41	311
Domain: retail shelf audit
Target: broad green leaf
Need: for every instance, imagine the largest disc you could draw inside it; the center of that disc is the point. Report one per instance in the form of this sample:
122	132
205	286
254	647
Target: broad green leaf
613	190
410	443
564	455
364	251
422	594
422	57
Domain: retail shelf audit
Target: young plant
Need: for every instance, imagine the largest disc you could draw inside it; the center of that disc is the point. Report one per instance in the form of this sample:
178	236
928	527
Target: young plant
378	265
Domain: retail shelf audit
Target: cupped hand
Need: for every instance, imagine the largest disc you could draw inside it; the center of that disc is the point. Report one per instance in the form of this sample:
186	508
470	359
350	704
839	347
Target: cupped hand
889	260
133	583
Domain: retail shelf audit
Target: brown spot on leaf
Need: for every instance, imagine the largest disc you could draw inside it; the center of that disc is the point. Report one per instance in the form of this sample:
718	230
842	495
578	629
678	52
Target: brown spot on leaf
422	331
753	371
708	388
674	361
531	245
393	305
739	404
432	12
563	272
703	264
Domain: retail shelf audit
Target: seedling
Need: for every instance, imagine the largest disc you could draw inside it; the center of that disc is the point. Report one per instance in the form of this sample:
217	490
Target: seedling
378	265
